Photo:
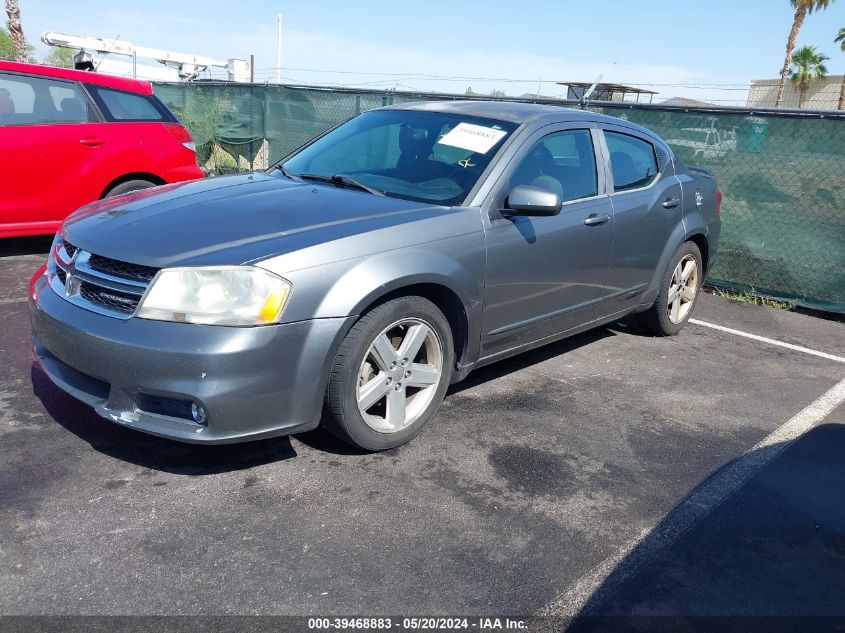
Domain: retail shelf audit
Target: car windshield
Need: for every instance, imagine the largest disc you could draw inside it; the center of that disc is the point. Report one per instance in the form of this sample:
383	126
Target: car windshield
423	156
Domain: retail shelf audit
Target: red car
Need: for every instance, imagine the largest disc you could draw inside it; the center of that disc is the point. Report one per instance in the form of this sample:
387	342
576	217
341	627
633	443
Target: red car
69	137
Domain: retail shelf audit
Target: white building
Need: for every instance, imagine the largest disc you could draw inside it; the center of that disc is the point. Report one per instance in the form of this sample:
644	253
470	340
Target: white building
823	94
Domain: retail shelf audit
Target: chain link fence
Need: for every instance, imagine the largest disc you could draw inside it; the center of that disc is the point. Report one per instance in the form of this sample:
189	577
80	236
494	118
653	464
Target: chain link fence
782	174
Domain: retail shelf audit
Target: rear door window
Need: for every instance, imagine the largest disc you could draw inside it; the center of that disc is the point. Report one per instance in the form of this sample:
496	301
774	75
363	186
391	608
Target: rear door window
126	106
632	160
27	100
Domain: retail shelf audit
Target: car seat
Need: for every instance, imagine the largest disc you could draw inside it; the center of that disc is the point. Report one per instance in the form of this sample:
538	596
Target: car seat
7	106
72	110
415	145
624	170
538	170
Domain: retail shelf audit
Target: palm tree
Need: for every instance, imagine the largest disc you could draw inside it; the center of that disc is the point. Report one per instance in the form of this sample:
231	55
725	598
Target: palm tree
840	39
807	66
16	30
802	8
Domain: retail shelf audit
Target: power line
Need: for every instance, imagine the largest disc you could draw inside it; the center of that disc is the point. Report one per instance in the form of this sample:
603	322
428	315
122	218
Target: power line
428	76
401	81
528	82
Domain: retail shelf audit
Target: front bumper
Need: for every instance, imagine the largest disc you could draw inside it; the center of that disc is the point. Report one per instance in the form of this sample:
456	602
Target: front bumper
253	382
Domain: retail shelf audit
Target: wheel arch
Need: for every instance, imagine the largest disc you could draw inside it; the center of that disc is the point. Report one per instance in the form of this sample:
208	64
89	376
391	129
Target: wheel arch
452	278
137	175
678	236
442	296
700	240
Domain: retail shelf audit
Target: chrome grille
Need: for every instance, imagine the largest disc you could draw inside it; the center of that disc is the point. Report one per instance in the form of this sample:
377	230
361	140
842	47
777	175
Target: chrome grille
122	269
111	299
100	284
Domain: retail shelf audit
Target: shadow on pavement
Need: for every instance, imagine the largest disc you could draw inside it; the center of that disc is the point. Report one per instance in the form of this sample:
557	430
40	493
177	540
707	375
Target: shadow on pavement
191	459
771	557
525	360
38	245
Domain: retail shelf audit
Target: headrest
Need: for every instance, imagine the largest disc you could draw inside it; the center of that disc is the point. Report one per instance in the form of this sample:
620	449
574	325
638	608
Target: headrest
623	166
7	106
414	141
72	109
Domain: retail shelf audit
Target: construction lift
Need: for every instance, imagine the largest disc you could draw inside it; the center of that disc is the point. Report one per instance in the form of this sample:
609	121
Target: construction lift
188	67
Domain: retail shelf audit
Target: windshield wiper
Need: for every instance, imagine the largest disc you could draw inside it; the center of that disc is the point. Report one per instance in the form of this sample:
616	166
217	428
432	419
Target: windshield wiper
285	172
343	180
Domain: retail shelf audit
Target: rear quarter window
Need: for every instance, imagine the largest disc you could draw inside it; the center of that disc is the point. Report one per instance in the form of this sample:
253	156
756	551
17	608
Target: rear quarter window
632	160
127	106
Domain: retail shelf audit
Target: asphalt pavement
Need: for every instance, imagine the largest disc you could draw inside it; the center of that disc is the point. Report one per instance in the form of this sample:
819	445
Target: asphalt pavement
534	490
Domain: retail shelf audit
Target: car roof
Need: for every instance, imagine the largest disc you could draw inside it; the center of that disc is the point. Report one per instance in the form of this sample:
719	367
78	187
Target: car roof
107	81
519	112
513	111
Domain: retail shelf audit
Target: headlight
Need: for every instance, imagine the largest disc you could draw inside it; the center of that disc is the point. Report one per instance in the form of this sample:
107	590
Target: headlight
236	295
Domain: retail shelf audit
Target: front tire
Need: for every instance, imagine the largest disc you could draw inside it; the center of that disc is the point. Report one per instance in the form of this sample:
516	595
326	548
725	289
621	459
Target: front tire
679	291
390	374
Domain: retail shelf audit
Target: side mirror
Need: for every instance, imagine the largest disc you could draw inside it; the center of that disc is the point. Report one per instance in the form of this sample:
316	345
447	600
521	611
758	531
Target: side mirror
532	201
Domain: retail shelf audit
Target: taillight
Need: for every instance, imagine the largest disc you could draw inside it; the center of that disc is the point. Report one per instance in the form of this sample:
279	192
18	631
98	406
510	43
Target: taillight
181	134
718	202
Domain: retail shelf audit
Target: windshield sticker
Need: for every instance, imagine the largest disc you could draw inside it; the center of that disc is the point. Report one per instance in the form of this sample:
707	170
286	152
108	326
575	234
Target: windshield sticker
475	138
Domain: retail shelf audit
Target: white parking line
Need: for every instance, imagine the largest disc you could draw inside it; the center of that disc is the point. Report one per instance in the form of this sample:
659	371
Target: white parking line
4	302
594	588
770	341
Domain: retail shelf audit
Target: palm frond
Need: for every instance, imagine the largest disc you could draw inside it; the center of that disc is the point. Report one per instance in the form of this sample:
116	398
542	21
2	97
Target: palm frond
840	38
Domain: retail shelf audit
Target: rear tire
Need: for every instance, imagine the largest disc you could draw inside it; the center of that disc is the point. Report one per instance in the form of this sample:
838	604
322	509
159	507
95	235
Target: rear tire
679	290
390	374
128	187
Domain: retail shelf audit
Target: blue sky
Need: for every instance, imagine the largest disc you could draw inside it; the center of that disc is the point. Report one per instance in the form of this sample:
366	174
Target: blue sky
725	42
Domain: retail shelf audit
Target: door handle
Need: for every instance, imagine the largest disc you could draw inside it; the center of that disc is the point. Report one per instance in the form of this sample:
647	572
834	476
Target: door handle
92	141
594	219
670	203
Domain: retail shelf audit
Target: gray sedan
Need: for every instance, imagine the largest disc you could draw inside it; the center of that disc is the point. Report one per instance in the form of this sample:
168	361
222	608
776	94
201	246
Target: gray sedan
358	278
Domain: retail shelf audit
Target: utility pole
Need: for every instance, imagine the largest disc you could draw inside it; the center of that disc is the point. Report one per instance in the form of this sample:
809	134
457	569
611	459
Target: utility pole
279	51
252	69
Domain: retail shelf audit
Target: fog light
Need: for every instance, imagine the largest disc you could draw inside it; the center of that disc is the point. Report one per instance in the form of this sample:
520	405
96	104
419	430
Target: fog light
198	414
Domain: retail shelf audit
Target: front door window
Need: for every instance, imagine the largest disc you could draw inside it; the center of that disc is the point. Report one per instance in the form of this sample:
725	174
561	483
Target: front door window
563	163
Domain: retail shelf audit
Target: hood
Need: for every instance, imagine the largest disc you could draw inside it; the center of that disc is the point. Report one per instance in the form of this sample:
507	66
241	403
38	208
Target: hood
231	220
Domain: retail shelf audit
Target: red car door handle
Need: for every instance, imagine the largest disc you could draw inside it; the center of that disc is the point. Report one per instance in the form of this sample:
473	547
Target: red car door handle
91	141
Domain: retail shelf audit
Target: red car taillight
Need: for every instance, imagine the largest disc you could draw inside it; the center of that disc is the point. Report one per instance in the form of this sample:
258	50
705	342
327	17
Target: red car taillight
718	202
181	134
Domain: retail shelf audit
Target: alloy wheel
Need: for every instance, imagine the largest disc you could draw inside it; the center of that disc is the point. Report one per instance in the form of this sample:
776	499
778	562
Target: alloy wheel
683	289
399	375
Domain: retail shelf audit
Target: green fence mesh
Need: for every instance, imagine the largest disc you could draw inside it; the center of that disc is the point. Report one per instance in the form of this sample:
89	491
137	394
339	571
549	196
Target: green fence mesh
782	175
